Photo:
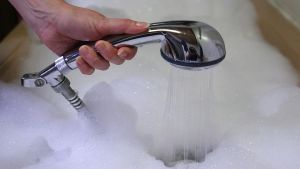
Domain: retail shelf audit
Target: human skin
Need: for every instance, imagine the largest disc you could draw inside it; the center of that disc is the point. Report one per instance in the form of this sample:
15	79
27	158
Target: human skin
60	26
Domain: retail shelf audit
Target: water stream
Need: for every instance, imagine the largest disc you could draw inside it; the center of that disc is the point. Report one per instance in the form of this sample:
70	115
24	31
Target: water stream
186	119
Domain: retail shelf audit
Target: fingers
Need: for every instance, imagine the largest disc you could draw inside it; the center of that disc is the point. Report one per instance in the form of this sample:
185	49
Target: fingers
91	60
127	53
108	52
105	54
84	67
95	25
114	55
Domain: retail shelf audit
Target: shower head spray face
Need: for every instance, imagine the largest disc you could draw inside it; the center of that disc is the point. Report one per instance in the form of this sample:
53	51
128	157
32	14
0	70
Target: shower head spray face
189	44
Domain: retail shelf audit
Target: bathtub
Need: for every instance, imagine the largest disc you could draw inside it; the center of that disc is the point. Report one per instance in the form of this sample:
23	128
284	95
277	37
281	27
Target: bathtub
255	105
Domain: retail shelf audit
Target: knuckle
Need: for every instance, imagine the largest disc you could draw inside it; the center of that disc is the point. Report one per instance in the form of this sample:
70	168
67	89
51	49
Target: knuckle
127	21
110	55
96	63
102	65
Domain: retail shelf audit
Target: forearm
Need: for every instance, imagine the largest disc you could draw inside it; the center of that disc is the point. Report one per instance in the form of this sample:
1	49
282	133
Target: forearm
38	13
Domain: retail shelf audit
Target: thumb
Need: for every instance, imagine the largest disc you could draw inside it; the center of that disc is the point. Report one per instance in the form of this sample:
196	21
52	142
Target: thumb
119	26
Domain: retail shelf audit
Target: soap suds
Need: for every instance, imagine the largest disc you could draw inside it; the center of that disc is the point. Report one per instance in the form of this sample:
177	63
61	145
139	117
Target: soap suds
257	103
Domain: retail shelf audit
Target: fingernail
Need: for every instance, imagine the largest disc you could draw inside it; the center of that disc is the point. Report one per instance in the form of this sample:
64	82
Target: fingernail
122	54
84	50
142	24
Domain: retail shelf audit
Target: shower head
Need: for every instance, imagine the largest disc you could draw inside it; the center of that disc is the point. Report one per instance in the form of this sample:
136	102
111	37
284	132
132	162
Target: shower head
190	44
185	44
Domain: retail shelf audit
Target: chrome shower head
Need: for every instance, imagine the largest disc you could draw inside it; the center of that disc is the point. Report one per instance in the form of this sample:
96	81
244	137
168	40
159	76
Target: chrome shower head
185	44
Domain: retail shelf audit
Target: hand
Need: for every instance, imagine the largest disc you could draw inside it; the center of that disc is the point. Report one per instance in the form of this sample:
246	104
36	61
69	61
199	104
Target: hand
60	26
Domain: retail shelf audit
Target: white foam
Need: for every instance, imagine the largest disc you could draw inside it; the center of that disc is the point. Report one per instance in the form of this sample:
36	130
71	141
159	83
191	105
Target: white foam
255	89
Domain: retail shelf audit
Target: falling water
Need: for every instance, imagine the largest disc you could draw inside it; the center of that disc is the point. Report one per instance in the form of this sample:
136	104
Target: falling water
184	128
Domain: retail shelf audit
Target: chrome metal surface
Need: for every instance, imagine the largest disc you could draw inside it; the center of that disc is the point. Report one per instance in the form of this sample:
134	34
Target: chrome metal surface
69	94
185	44
190	45
32	80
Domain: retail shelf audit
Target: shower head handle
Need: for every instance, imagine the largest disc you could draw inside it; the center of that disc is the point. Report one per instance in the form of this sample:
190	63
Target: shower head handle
185	44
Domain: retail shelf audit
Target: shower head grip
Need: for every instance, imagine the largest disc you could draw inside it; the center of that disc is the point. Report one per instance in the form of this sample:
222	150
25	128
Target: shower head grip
185	44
